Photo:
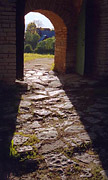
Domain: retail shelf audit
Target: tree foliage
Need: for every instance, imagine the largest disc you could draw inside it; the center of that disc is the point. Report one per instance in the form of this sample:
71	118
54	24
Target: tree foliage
31	37
32	43
46	47
31	28
28	48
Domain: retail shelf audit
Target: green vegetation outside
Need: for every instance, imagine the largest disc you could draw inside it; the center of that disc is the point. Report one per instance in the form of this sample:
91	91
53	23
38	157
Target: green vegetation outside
32	56
33	44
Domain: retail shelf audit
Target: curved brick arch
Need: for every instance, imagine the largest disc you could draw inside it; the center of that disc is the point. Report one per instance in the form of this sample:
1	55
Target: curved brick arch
66	10
12	34
61	40
64	17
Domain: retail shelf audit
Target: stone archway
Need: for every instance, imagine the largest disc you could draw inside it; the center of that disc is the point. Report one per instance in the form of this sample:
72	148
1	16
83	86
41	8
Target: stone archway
12	34
64	17
61	40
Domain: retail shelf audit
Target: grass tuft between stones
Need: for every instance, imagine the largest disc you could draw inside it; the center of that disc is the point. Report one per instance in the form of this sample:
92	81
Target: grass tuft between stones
25	155
69	151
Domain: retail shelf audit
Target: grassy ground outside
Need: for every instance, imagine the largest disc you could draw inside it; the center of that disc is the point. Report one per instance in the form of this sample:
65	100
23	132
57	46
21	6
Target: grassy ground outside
31	56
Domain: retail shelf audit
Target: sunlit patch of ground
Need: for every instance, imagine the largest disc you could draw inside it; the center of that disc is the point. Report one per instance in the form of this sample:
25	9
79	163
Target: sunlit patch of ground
31	56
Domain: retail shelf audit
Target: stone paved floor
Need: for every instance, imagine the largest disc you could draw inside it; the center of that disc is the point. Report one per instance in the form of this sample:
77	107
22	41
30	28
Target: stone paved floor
56	127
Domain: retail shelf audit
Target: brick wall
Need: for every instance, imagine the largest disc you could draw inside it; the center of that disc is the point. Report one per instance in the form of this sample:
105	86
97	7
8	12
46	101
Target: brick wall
64	15
7	41
101	37
61	40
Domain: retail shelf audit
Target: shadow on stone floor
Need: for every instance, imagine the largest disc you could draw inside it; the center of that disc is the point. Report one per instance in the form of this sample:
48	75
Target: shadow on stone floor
10	97
90	100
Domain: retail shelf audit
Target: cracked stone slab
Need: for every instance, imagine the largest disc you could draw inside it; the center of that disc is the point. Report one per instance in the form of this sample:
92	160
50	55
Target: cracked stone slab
85	158
74	129
84	136
52	101
67	105
35	125
27	75
75	141
38	145
67	123
105	173
52	146
37	97
71	141
19	139
56	93
24	149
30	72
60	113
33	79
41	92
25	104
25	116
42	177
42	112
75	133
45	79
86	173
55	84
48	133
57	161
38	86
38	81
49	89
39	73
51	72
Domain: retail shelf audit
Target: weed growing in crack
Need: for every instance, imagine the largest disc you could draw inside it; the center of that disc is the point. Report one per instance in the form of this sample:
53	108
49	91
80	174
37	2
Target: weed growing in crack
13	151
69	151
52	67
32	140
75	169
25	155
96	174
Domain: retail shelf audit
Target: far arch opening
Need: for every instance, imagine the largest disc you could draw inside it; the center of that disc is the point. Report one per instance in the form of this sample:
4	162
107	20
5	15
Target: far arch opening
61	39
39	41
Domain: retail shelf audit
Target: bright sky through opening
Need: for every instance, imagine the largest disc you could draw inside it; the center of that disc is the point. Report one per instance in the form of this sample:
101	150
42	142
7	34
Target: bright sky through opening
33	16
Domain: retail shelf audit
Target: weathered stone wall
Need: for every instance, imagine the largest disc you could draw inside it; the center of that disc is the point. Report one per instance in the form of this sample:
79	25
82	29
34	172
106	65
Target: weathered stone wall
7	41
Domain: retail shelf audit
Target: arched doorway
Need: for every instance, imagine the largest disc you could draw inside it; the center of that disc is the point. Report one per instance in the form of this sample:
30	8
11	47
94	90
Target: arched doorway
39	41
64	18
61	39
